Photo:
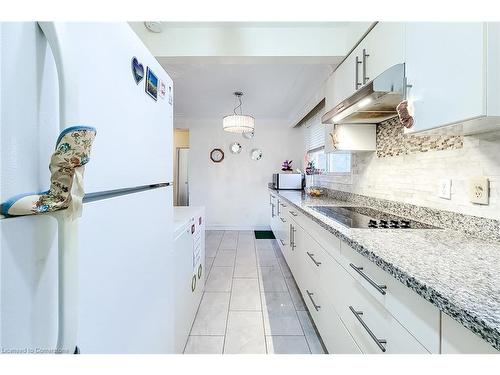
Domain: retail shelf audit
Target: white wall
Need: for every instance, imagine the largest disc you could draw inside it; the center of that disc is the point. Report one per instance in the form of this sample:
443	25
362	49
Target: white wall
234	191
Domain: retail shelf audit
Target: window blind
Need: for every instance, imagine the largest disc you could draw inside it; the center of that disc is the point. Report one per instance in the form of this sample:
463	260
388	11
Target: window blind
315	132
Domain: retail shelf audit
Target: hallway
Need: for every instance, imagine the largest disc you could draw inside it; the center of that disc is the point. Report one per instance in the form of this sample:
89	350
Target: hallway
251	303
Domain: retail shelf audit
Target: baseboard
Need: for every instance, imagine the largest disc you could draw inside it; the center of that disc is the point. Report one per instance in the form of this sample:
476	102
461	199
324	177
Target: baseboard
238	227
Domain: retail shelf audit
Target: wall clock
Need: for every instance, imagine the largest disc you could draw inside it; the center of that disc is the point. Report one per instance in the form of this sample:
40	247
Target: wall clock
217	155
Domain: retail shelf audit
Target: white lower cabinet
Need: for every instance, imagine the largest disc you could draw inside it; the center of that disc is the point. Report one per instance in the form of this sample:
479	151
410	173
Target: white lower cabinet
456	339
360	308
417	315
334	333
374	329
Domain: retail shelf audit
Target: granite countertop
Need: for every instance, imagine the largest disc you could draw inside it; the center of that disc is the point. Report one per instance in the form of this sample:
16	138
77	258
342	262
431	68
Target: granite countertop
457	273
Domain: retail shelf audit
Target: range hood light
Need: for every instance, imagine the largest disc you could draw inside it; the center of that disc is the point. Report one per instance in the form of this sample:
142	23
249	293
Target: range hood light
373	103
364	102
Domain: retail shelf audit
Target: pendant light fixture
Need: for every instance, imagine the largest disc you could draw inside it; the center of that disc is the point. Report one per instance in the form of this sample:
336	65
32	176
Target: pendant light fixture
238	123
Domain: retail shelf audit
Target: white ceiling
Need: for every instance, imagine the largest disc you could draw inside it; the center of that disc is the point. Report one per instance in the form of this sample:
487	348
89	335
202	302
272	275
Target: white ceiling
278	65
272	90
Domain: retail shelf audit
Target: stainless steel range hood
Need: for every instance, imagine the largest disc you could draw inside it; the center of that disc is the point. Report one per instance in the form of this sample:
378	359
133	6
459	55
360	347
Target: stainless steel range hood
373	103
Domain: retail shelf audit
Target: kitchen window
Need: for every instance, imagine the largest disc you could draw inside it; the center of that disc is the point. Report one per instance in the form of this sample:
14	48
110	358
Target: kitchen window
339	163
333	163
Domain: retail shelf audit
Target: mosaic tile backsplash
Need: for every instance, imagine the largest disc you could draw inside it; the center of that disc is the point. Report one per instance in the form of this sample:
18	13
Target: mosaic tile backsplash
391	141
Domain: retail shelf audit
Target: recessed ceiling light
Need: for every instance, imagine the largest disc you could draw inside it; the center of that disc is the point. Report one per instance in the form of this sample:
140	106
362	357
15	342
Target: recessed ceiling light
153	26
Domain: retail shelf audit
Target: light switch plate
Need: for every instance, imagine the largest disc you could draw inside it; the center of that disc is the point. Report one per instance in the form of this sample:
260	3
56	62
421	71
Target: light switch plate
479	190
444	188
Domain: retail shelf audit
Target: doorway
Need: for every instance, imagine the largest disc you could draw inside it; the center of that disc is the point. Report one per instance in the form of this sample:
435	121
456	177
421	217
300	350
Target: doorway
181	167
182	176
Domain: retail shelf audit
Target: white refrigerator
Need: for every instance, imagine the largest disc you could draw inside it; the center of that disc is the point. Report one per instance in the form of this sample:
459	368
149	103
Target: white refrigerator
85	76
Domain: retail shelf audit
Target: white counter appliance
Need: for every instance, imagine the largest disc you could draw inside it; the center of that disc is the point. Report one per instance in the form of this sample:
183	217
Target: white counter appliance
189	269
288	181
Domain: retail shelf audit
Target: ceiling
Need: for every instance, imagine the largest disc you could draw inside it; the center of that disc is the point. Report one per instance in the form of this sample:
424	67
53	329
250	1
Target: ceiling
272	90
278	65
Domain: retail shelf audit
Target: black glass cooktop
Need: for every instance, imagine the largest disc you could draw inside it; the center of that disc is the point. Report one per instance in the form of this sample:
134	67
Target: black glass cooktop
366	217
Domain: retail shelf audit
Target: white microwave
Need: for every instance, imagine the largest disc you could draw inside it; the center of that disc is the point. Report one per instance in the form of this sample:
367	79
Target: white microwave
288	181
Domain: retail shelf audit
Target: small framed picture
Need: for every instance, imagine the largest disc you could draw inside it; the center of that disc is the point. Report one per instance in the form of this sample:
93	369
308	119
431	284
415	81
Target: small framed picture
151	84
163	89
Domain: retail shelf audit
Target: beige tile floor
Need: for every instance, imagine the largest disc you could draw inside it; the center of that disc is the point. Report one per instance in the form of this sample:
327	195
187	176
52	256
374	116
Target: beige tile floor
251	303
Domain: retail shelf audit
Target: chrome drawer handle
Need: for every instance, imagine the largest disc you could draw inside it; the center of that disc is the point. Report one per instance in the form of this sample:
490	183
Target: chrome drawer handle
380	342
282	242
283	205
283	219
309	294
380	288
312	258
293	213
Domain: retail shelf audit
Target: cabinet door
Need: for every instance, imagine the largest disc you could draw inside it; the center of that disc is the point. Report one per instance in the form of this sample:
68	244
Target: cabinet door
384	46
445	66
456	339
342	82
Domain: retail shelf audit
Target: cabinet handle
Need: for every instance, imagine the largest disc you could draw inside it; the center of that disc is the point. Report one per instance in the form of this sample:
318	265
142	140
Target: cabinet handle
283	219
282	205
312	258
365	55
380	342
293	213
282	242
272	210
380	288
309	294
357	84
406	88
292	237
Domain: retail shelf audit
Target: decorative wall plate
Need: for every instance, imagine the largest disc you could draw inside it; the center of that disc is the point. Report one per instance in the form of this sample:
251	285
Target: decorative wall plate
137	70
217	155
256	154
249	135
235	148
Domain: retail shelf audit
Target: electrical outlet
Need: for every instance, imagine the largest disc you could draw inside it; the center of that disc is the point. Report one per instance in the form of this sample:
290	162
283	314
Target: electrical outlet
479	190
444	188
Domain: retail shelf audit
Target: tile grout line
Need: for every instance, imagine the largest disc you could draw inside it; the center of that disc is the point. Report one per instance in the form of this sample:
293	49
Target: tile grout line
260	295
230	292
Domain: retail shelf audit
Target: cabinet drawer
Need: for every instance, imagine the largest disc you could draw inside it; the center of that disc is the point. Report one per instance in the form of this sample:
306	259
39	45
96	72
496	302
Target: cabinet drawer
373	328
417	315
456	339
320	265
333	332
327	240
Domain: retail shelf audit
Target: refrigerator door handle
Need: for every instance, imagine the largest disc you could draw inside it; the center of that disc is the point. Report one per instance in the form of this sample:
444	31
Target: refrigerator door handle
67	228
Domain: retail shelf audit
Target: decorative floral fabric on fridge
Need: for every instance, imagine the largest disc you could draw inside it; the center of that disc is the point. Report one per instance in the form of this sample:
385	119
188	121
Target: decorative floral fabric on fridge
67	163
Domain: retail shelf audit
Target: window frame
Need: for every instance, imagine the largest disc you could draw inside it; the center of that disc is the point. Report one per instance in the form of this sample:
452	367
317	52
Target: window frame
333	173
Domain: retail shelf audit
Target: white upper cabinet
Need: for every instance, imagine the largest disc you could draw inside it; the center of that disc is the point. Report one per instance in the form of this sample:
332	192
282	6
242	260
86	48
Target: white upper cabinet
379	50
445	68
350	137
341	83
452	73
382	48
